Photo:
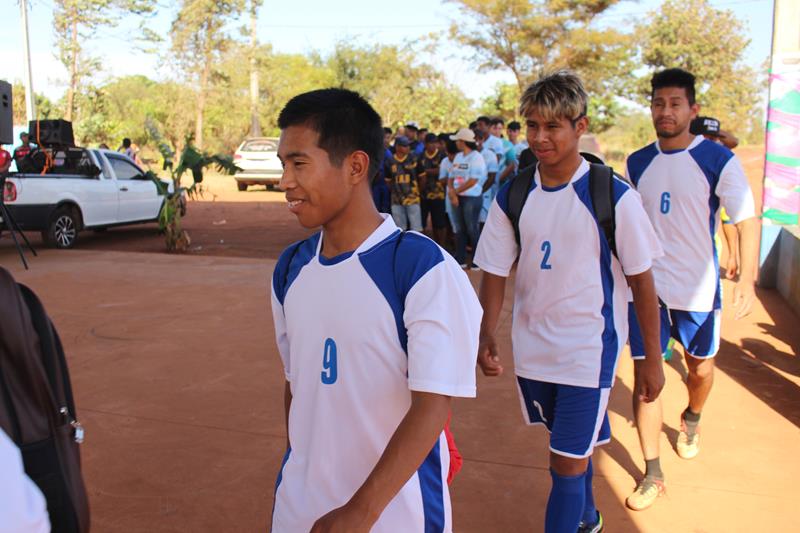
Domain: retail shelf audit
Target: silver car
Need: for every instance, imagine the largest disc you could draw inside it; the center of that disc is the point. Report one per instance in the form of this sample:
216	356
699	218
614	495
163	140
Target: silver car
258	159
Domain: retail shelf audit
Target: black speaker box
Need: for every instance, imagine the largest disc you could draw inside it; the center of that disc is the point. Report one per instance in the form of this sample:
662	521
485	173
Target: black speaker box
6	114
51	132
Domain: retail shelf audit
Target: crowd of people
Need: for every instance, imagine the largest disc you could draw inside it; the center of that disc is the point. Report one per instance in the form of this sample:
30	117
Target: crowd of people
447	180
599	264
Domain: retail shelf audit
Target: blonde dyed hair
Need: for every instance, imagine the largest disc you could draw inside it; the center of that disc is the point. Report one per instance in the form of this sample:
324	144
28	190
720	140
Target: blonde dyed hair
555	96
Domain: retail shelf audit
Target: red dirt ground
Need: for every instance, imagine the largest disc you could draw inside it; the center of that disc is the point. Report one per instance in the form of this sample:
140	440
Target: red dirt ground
179	385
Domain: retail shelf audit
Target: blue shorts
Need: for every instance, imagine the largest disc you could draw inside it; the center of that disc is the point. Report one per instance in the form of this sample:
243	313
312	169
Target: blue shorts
576	417
697	331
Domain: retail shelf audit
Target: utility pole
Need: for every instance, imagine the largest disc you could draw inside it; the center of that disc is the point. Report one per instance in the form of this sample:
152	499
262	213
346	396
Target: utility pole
30	99
255	125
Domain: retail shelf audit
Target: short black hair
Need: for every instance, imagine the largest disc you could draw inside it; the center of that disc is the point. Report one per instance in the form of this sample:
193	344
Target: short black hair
387	131
498	120
126	142
514	126
674	77
344	121
473	124
484	119
444	137
450	146
431	138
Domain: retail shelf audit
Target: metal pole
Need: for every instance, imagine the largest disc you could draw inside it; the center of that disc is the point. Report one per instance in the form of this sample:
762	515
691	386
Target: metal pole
30	100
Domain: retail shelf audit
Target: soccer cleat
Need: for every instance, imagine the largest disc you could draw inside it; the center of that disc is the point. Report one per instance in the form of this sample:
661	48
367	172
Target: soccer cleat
688	447
646	493
596	527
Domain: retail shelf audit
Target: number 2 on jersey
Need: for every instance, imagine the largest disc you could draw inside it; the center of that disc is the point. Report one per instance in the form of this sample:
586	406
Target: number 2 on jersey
665	203
329	374
546	248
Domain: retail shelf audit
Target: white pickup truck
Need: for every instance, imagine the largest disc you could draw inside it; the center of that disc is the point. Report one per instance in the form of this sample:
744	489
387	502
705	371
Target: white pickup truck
110	190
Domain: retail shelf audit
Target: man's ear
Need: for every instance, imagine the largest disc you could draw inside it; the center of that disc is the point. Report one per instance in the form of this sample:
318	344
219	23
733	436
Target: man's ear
582	126
357	165
695	110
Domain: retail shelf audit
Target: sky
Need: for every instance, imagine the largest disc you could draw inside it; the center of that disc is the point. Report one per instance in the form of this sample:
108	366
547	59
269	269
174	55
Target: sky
317	26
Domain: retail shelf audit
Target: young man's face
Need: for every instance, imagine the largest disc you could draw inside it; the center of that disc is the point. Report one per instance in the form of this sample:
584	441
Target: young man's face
483	127
401	150
432	146
316	190
24	138
387	139
671	111
555	139
513	136
411	134
497	129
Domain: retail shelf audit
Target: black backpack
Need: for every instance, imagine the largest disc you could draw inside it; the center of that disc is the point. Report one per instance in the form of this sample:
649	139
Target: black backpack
37	410
601	190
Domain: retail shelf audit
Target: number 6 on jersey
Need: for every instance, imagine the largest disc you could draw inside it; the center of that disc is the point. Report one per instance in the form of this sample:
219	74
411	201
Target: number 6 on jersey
329	374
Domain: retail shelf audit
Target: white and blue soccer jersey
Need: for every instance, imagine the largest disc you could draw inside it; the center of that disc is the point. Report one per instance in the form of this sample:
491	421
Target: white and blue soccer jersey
682	192
570	318
357	334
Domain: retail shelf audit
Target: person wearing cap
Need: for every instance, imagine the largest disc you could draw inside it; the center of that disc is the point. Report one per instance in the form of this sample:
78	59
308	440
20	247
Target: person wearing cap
434	190
465	182
23	149
401	176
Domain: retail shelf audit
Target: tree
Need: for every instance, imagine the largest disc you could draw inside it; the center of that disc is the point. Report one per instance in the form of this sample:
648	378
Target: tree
398	88
74	22
44	106
709	43
199	38
532	37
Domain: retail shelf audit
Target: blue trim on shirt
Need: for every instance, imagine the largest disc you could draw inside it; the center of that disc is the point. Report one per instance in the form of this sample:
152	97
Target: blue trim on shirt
334	260
675	151
396	269
432	488
609	336
299	254
279	479
638	162
554	189
712	158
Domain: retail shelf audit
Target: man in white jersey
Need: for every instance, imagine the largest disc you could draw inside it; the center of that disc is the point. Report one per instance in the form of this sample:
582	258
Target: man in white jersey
683	180
570	313
23	508
377	329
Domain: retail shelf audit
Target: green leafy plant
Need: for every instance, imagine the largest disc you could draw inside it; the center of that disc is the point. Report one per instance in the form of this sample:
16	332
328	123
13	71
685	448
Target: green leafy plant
191	160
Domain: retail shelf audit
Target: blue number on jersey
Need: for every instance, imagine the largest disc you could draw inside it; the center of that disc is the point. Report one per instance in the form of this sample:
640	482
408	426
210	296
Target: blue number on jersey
665	203
546	248
329	362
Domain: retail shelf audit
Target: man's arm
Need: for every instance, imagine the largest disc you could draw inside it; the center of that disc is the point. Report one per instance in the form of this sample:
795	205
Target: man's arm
744	292
411	443
467	185
489	182
506	173
732	241
728	139
645	301
491	295
287	405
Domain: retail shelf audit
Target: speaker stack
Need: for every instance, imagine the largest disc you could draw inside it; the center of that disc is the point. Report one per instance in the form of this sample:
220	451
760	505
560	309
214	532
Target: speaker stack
6	114
51	133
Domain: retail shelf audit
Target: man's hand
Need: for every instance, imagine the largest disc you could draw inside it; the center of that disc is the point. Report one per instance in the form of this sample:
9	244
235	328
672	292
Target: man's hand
488	359
731	267
651	379
453	198
744	294
346	519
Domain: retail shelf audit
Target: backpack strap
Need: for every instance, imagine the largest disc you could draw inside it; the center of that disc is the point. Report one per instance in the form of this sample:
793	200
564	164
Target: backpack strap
601	189
517	195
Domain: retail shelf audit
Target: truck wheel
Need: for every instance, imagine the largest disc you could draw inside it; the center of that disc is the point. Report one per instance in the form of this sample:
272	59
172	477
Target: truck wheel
63	229
241	186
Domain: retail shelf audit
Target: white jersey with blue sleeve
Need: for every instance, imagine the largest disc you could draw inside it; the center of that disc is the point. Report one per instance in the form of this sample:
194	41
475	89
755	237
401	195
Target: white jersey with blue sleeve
570	318
357	334
682	192
22	505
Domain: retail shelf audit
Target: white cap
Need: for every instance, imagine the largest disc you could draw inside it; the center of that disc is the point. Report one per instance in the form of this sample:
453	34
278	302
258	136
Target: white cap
464	134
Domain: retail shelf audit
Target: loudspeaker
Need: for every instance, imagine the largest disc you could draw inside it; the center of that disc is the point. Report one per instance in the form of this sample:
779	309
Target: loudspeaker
51	132
6	114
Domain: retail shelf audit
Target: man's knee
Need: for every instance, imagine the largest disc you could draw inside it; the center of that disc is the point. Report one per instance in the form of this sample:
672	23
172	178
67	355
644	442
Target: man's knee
568	466
701	368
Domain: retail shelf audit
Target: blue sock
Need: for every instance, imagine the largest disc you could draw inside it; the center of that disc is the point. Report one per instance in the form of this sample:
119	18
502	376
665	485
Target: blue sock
589	510
565	506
